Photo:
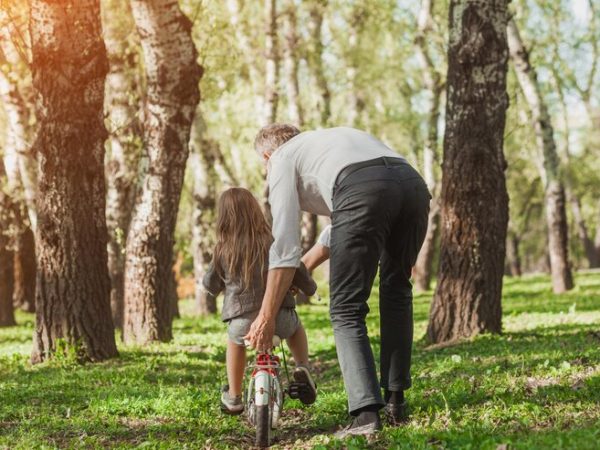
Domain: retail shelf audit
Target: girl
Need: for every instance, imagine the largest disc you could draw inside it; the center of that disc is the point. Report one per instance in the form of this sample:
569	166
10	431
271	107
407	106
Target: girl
239	267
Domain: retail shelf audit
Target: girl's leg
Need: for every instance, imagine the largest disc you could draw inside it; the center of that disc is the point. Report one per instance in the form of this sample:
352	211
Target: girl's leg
236	362
298	344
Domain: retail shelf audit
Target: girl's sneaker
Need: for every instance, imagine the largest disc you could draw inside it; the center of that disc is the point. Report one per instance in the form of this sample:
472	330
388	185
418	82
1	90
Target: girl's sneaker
307	389
229	404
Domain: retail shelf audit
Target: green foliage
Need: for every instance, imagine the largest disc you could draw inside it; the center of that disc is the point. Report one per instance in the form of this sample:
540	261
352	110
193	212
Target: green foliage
536	386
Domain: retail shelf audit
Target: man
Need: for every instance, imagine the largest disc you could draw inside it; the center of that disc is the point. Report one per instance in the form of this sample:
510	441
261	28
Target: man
378	206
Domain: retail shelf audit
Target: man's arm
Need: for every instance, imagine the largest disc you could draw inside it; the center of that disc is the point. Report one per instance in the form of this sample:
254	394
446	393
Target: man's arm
262	329
285	252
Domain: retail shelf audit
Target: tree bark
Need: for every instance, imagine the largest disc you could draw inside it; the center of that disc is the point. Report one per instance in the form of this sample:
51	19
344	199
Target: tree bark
24	267
15	92
586	241
556	217
314	58
512	255
21	174
432	80
295	114
122	107
474	215
172	78
203	219
291	38
7	315
69	70
272	63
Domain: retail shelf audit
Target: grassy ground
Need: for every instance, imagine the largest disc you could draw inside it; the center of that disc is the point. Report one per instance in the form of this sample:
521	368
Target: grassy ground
536	386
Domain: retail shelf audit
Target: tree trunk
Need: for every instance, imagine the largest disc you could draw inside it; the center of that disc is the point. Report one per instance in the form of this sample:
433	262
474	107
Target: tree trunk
203	214
572	197
7	315
512	255
69	69
21	176
432	81
25	270
290	53
474	200
597	238
272	63
172	78
15	94
556	217
174	282
296	117
122	106
314	58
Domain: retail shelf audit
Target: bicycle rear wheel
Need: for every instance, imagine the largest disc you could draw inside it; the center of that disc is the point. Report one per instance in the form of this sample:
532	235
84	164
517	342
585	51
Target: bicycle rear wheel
263	426
262	411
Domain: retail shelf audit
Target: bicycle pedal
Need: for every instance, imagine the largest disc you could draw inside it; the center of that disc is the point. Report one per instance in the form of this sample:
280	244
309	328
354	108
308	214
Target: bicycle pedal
296	389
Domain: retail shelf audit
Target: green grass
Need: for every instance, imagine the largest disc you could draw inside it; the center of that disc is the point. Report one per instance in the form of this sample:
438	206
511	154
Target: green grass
536	386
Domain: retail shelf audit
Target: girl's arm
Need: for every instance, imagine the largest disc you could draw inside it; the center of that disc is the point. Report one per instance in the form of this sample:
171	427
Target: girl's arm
212	282
303	281
319	253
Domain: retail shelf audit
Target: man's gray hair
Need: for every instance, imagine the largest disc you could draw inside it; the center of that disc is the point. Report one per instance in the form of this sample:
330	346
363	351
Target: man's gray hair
271	137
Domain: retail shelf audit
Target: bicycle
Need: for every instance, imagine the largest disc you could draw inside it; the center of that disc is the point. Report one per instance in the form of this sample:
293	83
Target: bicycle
265	396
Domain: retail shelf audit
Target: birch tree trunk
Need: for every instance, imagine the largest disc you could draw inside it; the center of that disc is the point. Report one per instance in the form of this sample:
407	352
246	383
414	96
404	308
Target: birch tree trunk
556	218
432	81
272	63
16	92
122	107
586	241
290	54
203	216
17	156
69	70
173	75
474	215
314	58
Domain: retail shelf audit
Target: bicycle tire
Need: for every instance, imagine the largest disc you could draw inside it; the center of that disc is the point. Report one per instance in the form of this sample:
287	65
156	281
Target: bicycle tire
262	408
263	426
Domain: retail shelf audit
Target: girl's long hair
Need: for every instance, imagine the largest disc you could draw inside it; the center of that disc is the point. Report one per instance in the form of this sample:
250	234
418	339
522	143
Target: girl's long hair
243	235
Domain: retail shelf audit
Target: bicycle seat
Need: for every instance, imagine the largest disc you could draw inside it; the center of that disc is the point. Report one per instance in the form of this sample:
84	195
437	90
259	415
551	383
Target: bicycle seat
276	341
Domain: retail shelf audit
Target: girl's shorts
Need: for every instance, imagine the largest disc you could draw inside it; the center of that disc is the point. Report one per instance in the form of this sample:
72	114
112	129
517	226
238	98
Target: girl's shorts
286	324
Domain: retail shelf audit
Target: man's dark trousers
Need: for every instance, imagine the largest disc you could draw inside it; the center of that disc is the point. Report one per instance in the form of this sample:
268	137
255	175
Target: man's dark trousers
379	216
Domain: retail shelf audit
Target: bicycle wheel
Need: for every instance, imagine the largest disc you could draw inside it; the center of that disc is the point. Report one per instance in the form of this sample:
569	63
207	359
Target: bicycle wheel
262	405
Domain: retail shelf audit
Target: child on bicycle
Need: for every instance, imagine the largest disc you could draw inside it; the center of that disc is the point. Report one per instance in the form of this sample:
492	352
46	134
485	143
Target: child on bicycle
239	268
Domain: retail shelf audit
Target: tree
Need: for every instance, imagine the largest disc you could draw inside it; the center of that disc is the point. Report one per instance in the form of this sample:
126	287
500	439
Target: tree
433	83
172	74
69	68
314	58
474	200
7	315
122	106
295	112
15	90
556	218
272	63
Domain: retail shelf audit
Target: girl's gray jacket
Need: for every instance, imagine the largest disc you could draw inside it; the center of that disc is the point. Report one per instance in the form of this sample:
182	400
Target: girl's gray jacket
240	301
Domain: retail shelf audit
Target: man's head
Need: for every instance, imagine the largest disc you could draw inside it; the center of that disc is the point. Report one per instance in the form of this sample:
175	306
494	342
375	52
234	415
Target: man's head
271	137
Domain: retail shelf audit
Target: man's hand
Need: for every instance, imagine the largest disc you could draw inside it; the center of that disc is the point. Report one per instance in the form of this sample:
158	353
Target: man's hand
262	329
261	334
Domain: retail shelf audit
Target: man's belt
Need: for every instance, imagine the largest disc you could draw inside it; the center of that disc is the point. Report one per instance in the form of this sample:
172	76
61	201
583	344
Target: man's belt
383	161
